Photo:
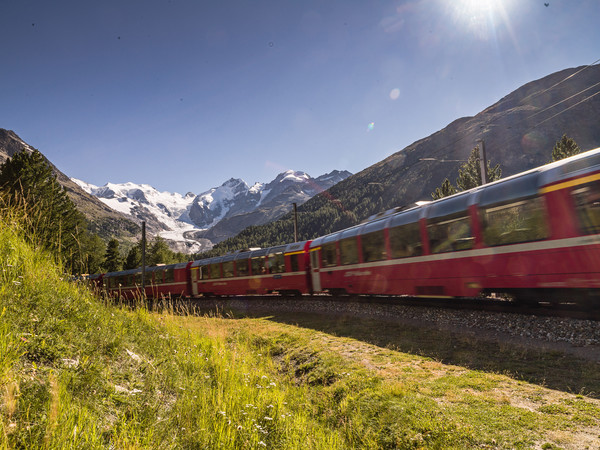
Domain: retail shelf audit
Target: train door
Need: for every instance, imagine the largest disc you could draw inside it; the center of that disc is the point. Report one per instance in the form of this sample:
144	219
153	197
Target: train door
314	268
195	276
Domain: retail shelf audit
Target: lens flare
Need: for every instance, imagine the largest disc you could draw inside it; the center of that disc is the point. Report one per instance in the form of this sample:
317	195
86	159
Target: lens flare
371	126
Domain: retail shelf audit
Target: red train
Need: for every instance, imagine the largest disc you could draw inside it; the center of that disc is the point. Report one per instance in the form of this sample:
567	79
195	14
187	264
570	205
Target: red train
535	235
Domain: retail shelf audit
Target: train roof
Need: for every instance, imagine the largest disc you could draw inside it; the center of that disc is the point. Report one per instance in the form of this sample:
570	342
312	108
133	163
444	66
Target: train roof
123	272
284	248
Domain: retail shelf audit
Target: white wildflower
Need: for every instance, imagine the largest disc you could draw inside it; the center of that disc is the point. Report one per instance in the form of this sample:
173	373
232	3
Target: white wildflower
123	390
70	363
133	356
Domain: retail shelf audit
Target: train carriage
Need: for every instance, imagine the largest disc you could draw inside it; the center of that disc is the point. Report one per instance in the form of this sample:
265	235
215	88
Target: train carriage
125	284
282	269
533	234
168	281
160	281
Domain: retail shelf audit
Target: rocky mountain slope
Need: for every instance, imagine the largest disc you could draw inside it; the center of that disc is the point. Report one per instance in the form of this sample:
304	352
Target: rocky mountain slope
227	210
519	131
193	223
103	220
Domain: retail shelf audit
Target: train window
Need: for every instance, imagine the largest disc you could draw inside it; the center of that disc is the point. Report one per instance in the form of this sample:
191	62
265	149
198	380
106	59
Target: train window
215	271
581	164
295	262
228	269
328	255
525	186
450	233
349	251
242	267
258	265
276	263
587	205
405	241
203	273
158	276
514	222
373	246
169	275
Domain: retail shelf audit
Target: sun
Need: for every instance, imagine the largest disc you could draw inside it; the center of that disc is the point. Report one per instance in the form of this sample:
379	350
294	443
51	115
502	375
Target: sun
480	17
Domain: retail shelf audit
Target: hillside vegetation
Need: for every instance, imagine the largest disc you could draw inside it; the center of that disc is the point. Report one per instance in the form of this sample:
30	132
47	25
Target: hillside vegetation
76	373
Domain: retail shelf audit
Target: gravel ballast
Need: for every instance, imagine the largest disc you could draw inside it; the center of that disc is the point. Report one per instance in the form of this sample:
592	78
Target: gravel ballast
576	336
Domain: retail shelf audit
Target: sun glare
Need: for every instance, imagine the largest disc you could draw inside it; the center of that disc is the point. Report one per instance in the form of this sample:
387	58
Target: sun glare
480	17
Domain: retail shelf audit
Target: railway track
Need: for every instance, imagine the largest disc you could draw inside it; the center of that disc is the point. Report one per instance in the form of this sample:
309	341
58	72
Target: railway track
566	309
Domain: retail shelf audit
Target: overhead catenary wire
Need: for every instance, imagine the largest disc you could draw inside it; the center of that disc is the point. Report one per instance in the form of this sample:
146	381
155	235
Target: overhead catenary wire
491	122
565	110
535	94
564	100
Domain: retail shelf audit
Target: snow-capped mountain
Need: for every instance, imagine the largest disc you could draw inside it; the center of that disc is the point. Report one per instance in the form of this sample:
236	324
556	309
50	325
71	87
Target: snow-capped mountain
165	213
196	222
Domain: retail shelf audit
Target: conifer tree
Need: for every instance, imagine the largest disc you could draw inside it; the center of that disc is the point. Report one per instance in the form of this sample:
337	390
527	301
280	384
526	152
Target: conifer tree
564	148
469	174
134	257
113	262
159	253
93	250
445	190
49	217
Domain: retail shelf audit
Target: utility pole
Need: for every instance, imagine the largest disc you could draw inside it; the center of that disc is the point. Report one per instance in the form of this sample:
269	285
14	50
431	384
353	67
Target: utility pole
295	222
482	161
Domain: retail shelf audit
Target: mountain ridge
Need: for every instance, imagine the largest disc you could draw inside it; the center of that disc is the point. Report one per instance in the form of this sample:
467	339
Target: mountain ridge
194	223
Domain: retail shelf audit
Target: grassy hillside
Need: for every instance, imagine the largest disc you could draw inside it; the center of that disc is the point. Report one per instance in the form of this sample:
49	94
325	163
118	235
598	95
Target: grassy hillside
78	373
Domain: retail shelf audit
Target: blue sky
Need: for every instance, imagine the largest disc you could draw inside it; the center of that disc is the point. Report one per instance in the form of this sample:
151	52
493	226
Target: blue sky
184	94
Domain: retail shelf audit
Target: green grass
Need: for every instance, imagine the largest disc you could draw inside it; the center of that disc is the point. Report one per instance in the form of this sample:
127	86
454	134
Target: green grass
76	372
